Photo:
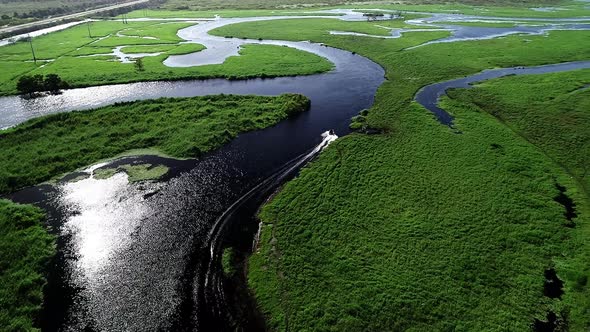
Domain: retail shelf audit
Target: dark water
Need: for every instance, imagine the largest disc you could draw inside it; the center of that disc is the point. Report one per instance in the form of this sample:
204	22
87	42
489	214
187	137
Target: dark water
430	94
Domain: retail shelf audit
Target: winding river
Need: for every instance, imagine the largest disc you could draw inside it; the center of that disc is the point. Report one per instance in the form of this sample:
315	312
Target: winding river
147	256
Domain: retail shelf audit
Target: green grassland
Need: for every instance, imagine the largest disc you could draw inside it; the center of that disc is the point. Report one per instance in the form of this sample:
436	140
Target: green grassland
168	49
491	24
42	148
164	31
318	30
54	45
25	247
254	60
320	26
446	236
439	231
557	120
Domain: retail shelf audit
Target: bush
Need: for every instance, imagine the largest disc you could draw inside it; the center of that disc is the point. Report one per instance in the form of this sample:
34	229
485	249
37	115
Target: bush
139	65
53	83
30	84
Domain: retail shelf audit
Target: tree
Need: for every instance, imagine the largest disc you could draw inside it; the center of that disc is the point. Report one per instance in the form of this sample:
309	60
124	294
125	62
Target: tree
53	83
30	84
139	65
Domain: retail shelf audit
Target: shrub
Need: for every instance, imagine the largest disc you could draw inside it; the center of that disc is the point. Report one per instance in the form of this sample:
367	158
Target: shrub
30	84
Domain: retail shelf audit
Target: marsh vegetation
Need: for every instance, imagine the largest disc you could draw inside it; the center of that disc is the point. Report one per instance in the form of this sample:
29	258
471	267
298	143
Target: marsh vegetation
26	248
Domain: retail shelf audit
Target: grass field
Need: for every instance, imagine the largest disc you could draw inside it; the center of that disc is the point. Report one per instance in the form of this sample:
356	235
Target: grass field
557	121
172	49
254	60
135	173
571	9
318	31
321	26
54	45
439	231
26	247
188	13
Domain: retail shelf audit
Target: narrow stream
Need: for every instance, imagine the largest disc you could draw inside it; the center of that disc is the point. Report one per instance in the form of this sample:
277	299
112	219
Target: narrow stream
147	256
430	95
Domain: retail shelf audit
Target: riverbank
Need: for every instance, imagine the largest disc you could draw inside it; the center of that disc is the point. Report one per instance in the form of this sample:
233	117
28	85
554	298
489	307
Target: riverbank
429	235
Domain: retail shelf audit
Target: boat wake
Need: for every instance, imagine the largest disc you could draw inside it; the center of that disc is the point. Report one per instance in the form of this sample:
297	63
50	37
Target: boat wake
209	298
